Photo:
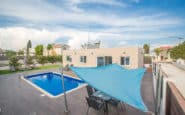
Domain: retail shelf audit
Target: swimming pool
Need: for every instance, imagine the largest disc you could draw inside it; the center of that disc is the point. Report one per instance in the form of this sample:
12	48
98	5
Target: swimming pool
51	83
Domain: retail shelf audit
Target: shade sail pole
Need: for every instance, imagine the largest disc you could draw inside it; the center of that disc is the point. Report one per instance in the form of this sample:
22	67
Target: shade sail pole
63	87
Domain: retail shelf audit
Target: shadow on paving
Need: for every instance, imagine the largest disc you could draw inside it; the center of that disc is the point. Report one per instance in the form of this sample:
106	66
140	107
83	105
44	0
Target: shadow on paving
19	98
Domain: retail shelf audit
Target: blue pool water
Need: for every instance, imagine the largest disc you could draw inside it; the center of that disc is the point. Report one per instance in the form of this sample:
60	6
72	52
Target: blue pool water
52	82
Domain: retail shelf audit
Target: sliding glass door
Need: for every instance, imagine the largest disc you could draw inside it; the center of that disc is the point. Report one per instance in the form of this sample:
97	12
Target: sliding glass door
101	61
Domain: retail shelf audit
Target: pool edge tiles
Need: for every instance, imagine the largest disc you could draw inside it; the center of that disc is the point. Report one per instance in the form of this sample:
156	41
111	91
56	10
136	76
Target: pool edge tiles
43	91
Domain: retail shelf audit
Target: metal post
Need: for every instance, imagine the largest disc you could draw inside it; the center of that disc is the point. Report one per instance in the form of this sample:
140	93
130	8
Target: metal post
63	87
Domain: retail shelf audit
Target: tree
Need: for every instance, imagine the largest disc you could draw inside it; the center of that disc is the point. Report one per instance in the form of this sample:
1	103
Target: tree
49	47
13	63
28	47
157	51
146	48
20	52
10	53
178	51
39	50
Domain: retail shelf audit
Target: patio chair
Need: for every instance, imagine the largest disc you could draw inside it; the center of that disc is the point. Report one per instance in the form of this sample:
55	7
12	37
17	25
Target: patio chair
90	90
95	103
115	103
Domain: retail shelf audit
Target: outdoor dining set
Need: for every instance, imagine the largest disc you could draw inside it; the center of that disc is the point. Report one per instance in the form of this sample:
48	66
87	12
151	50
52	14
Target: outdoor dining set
101	101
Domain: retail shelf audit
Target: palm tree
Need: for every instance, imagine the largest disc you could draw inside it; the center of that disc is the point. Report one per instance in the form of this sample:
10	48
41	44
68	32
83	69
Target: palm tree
28	47
157	51
49	47
146	48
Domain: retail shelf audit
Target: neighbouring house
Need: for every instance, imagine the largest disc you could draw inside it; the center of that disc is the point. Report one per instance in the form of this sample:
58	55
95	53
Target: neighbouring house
2	53
56	49
169	89
129	57
164	54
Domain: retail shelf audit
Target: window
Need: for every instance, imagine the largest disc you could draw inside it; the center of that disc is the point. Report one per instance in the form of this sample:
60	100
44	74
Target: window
68	58
125	60
101	61
83	59
122	61
108	60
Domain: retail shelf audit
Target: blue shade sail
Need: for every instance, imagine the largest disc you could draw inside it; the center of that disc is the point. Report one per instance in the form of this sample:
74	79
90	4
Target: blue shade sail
115	81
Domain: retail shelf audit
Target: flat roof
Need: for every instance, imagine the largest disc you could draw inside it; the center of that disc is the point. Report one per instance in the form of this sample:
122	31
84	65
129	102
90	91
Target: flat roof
175	75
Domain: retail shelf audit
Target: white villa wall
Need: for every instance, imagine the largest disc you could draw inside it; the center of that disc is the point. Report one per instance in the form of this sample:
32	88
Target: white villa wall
135	54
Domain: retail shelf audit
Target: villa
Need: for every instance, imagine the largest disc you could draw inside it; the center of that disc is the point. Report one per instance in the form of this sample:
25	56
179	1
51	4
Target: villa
129	57
164	54
56	49
92	57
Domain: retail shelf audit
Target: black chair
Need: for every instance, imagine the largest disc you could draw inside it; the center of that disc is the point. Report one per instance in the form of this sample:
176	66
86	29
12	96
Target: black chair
115	103
90	90
95	103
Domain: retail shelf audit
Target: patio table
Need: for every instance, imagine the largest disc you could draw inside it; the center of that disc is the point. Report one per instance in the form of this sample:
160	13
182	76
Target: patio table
102	96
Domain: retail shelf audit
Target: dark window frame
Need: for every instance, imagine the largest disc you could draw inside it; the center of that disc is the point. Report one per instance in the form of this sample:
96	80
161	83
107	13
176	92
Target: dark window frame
83	59
125	60
106	60
69	58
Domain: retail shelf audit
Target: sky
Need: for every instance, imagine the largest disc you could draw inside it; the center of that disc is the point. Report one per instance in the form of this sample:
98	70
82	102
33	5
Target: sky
116	23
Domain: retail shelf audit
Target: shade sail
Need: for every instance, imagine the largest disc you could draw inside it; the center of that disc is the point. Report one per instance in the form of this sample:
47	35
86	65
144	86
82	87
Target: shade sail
115	81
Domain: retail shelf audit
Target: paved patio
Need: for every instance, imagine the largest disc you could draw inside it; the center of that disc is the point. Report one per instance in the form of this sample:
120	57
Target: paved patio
19	98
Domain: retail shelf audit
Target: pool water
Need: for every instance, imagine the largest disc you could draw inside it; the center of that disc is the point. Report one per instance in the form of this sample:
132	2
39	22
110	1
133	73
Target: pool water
52	82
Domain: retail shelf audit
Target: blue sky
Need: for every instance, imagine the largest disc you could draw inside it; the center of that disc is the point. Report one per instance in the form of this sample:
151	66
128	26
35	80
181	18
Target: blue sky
114	22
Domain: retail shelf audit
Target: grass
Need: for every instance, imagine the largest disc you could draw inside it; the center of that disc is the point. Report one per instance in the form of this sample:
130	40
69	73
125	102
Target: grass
38	68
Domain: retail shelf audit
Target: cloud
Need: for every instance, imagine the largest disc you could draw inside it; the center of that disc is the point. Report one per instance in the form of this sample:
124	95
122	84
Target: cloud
17	37
51	19
44	13
104	2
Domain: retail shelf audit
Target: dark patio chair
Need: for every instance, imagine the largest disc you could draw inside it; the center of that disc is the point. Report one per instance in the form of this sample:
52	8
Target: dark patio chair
96	103
90	90
116	103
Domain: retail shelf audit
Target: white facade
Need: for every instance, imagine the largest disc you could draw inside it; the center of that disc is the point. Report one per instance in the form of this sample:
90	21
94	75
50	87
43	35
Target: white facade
129	57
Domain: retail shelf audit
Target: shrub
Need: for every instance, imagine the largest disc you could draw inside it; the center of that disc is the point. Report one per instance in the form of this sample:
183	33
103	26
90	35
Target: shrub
29	60
51	59
41	59
13	63
59	58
